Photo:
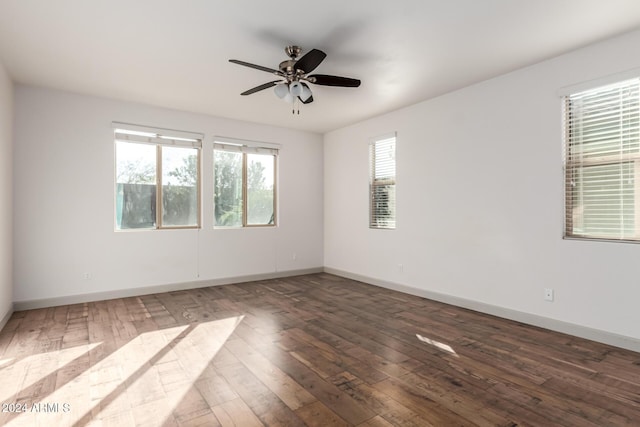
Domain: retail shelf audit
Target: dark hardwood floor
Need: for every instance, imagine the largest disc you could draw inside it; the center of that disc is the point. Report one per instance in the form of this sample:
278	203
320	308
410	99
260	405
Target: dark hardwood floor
315	350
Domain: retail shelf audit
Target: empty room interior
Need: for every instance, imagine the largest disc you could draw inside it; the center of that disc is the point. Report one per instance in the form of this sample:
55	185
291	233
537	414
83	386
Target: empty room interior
363	213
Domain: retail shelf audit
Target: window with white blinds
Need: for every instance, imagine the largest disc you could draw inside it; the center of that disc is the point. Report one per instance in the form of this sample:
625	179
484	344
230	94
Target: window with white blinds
382	182
602	162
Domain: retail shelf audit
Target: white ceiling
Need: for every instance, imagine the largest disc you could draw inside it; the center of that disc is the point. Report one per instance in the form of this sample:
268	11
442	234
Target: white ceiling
175	53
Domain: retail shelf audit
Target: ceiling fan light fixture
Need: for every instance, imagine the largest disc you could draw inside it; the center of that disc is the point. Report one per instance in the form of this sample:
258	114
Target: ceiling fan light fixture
306	93
281	90
296	89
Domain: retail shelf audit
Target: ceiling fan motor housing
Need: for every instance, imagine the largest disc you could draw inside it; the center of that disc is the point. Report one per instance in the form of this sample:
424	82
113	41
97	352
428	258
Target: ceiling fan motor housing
293	51
287	67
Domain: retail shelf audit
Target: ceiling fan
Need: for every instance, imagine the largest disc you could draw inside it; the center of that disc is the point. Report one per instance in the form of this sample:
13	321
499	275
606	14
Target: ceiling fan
294	76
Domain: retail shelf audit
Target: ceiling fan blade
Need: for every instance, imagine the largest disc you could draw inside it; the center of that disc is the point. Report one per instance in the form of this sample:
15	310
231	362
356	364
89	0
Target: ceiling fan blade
261	87
308	101
257	67
325	80
310	60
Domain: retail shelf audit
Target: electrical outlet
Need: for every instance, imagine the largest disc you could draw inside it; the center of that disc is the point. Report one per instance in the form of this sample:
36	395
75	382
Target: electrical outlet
86	276
400	268
294	256
548	294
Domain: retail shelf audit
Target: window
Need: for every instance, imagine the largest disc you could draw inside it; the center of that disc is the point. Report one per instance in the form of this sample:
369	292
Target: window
157	178
382	182
602	162
244	184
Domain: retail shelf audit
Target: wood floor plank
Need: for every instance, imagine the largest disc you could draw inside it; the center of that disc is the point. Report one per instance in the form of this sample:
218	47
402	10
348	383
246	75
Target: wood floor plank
317	415
376	421
188	405
236	413
322	342
423	404
310	350
325	392
215	390
283	386
389	409
262	401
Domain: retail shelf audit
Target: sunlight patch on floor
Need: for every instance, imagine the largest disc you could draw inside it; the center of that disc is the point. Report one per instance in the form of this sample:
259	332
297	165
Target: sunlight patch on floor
437	344
18	375
130	378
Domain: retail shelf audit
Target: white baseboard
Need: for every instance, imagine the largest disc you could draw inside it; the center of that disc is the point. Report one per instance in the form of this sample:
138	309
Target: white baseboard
506	313
598	335
134	292
6	317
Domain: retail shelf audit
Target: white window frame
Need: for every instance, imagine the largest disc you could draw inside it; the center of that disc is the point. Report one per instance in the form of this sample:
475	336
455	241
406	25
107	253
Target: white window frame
376	220
246	147
158	137
574	162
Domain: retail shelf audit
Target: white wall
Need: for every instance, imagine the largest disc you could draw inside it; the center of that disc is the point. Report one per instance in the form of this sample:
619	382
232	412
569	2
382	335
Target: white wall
64	202
480	200
6	195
